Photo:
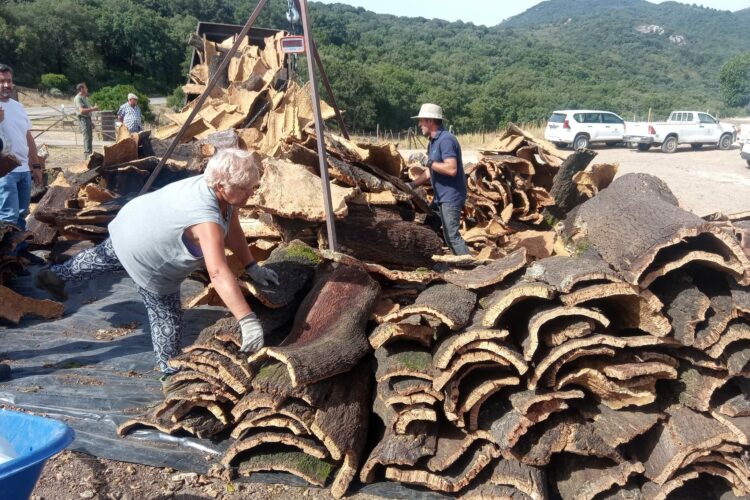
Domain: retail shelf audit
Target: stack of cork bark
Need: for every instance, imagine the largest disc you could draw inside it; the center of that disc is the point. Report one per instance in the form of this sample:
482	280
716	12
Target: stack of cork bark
302	406
618	372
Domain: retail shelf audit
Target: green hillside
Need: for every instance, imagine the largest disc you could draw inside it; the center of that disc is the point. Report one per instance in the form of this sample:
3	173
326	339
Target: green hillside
558	54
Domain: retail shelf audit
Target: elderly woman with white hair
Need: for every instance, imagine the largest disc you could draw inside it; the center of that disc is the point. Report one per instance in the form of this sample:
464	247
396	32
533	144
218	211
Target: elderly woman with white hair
161	237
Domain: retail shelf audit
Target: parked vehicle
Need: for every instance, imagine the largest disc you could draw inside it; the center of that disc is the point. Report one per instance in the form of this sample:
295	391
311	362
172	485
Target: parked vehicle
580	127
745	144
682	127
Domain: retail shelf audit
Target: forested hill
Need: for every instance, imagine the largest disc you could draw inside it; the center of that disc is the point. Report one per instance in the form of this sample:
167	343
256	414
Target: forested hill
623	55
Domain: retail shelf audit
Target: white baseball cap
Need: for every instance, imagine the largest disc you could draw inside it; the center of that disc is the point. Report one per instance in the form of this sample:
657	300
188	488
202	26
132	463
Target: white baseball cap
132	96
430	111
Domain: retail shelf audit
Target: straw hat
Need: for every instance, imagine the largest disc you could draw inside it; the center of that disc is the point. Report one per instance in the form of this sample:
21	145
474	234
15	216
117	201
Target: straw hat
430	111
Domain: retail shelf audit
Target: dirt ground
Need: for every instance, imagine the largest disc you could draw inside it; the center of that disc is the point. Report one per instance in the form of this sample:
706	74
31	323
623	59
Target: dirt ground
73	476
704	181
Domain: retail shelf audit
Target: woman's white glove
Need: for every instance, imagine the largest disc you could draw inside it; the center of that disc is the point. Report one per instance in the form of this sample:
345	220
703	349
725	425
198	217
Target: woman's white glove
262	275
252	333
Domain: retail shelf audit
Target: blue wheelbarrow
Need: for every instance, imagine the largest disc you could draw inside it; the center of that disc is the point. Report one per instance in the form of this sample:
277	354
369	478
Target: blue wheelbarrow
32	441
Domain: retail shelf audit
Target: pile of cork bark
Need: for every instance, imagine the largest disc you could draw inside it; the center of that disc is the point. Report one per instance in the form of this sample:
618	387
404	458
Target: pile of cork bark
618	372
14	306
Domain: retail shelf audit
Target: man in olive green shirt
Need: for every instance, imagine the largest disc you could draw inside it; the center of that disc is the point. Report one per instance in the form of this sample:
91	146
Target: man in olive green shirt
83	111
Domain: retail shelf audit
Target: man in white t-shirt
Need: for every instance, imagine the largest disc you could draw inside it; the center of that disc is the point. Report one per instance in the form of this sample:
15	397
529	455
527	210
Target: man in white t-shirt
15	187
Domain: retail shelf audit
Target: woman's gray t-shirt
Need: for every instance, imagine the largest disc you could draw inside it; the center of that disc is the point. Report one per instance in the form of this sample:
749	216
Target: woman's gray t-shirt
147	233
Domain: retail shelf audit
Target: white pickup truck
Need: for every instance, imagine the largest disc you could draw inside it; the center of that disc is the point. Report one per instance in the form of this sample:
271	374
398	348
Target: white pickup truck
745	143
682	127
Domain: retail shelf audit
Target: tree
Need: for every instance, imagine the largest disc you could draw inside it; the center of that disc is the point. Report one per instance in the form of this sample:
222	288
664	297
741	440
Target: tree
735	80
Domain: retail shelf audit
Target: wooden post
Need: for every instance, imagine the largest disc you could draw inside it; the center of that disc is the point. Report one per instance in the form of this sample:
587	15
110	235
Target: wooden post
323	163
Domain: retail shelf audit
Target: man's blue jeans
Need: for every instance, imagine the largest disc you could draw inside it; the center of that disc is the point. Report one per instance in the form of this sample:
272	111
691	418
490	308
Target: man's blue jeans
450	220
15	197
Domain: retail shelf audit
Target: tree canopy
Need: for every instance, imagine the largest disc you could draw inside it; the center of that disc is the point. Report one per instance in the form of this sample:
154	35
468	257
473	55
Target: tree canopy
559	54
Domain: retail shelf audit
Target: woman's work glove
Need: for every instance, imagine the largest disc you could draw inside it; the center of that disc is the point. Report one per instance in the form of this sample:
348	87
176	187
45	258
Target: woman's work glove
252	333
262	275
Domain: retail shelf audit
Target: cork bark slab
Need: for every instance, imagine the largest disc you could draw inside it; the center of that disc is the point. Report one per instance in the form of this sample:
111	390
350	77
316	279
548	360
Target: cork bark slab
739	426
500	301
244	446
227	350
686	307
292	191
721	312
525	479
486	275
268	419
14	306
197	391
215	365
735	332
624	305
567	329
380	234
566	273
636	217
508	420
477	353
420	276
390	332
403	360
453	479
447	303
698	385
295	266
328	336
738	406
737	359
548	316
613	393
198	422
273	378
489	339
563	353
711	260
584	477
406	386
619	427
452	444
186	378
564	432
413	415
256	400
685	433
313	470
400	450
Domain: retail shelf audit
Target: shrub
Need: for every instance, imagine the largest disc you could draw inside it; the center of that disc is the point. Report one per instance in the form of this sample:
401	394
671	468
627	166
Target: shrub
177	100
111	98
51	81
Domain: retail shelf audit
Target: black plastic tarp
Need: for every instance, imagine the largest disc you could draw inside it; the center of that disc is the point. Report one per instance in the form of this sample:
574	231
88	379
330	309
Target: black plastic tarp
94	369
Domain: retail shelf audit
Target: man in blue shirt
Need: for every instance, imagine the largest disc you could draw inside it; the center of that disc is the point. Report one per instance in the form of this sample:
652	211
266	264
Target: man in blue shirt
445	170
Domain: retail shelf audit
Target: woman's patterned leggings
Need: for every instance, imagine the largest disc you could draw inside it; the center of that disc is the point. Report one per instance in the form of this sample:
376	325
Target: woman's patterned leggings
164	311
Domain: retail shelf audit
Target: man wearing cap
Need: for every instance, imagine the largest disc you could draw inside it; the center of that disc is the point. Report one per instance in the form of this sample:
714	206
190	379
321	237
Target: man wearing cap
129	114
445	170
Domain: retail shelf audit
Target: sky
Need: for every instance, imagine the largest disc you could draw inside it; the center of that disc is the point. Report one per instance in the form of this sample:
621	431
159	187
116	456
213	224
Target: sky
484	12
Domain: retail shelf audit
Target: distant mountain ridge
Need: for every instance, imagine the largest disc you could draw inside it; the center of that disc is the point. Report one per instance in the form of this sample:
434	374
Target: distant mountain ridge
630	56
